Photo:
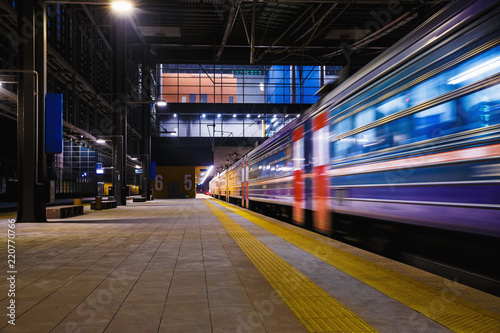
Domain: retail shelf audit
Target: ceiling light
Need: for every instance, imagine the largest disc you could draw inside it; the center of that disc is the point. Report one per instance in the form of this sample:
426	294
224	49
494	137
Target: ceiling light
219	115
175	115
161	103
100	141
208	173
121	6
234	115
134	158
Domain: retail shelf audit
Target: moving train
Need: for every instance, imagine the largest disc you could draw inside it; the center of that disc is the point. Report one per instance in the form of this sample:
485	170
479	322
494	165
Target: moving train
412	138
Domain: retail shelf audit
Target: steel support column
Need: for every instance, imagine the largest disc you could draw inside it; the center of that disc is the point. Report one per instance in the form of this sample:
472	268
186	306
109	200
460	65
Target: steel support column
146	121
119	109
30	129
41	68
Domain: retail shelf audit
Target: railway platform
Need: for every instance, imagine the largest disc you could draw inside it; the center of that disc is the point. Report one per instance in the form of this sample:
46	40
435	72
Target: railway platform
202	265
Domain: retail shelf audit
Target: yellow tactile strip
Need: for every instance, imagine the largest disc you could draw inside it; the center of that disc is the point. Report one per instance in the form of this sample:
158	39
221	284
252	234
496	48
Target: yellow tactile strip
316	309
444	307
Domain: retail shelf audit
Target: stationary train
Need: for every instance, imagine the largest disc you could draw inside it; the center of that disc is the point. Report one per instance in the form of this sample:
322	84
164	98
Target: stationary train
412	138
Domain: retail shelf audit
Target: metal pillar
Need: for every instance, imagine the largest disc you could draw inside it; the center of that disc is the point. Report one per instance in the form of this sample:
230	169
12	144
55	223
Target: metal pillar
30	129
119	105
146	122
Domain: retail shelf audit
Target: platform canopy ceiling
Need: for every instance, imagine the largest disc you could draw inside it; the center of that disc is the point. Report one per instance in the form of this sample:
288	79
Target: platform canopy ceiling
264	32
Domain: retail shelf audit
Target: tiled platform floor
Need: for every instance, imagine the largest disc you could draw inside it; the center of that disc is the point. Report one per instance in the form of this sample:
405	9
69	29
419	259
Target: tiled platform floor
169	266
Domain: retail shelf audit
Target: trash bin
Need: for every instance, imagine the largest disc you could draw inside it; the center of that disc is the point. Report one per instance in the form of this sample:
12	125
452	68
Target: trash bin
98	203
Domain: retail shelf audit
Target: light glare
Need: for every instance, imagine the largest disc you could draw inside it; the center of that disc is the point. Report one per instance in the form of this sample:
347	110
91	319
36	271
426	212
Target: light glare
121	6
475	71
208	173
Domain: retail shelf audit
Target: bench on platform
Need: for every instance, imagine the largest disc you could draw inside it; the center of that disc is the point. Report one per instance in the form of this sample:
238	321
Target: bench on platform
105	204
140	199
58	212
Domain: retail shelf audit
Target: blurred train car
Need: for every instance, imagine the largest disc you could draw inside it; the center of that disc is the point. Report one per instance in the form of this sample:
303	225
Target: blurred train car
412	138
235	183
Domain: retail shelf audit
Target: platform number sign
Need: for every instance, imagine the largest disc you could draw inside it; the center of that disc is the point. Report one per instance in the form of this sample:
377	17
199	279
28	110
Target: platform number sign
174	182
188	182
159	183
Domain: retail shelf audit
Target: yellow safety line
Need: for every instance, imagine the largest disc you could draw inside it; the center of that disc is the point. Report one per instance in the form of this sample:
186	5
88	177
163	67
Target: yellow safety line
316	309
444	307
8	215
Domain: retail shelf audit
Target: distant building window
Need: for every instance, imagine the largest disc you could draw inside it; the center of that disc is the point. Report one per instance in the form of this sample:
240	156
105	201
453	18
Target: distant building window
183	99
231	99
192	98
203	98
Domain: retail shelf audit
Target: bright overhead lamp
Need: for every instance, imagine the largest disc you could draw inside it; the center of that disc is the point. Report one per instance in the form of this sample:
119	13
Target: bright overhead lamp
161	103
121	6
134	158
219	115
208	173
100	141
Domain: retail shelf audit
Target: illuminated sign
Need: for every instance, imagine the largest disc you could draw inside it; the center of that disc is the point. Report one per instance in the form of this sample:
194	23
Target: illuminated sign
98	169
248	72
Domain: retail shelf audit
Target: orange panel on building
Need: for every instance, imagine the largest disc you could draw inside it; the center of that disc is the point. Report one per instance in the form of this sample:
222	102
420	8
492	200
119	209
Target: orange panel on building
177	88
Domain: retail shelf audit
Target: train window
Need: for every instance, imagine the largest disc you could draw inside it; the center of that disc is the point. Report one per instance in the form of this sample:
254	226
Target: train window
342	147
480	109
366	141
364	117
475	69
401	130
391	106
427	90
430	123
343	126
467	72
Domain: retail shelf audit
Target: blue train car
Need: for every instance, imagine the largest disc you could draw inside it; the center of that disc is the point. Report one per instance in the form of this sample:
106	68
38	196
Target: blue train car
416	138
